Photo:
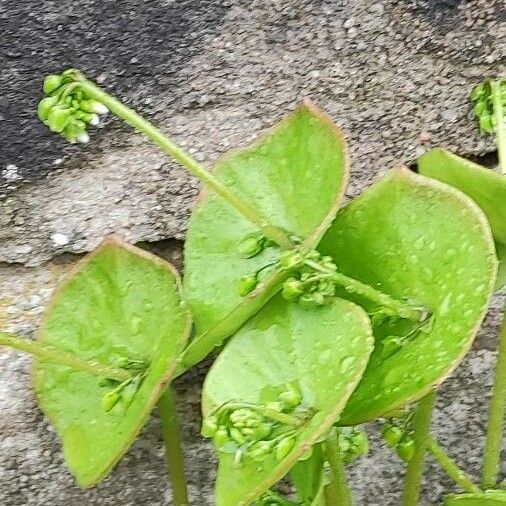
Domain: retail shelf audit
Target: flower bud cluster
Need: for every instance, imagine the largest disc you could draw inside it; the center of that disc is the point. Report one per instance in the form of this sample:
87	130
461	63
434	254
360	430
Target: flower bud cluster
399	435
122	392
307	285
67	109
353	443
311	280
257	431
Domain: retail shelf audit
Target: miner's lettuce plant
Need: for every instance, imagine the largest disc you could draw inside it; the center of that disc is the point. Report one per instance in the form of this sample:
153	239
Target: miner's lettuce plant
322	316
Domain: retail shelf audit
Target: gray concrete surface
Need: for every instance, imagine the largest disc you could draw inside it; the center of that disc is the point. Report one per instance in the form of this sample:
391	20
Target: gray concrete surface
394	74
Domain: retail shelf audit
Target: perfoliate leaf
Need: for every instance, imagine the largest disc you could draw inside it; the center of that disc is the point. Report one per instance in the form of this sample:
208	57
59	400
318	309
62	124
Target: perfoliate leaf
488	498
120	305
426	243
486	187
323	350
295	175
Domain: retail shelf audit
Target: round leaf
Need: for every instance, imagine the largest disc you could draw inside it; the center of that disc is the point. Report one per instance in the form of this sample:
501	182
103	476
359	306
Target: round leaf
323	349
119	303
295	176
420	241
486	187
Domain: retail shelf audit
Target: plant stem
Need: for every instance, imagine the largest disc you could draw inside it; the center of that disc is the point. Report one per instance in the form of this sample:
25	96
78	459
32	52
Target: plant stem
500	127
352	285
414	472
61	357
168	146
173	450
339	492
450	468
495	424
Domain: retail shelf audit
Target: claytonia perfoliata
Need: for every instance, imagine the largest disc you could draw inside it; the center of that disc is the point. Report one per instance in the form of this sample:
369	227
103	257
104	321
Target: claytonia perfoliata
68	110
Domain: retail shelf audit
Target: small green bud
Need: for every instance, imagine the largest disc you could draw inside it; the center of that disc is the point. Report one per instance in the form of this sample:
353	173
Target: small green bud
406	450
275	406
243	415
259	450
52	83
58	119
220	437
251	245
284	447
292	289
45	106
237	436
392	435
209	426
291	259
109	400
247	284
292	396
262	431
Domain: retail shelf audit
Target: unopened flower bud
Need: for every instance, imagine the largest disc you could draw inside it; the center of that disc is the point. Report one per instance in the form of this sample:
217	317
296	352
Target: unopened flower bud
220	437
58	119
45	106
292	289
406	450
392	435
251	245
209	426
109	400
292	396
247	284
284	447
291	259
51	83
259	451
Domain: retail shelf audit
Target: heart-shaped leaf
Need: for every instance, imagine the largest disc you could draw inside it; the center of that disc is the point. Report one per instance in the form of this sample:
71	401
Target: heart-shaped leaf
295	176
323	350
486	187
424	242
120	305
488	498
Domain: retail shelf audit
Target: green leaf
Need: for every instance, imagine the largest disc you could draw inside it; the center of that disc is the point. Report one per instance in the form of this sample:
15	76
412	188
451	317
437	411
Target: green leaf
119	303
427	243
323	349
295	175
488	498
486	187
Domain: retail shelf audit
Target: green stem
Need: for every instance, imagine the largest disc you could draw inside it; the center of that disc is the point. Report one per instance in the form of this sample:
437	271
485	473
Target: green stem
500	127
451	469
173	449
495	425
382	299
58	356
338	489
414	473
156	136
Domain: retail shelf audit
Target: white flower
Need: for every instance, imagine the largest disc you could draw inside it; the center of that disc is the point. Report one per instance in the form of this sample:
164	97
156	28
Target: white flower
83	138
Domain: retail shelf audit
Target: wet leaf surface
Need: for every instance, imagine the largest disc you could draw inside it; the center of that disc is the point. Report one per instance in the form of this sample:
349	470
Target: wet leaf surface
120	303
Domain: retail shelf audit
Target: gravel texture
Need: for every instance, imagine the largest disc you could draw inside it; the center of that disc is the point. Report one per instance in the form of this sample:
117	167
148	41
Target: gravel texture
394	74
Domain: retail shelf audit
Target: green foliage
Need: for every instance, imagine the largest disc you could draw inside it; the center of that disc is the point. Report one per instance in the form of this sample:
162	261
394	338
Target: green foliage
120	306
486	187
321	349
296	176
483	100
488	498
397	236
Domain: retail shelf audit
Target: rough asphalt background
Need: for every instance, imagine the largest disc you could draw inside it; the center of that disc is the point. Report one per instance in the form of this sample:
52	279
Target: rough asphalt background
394	74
